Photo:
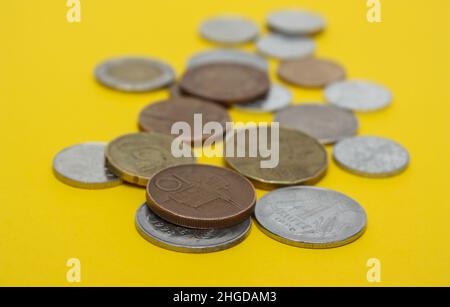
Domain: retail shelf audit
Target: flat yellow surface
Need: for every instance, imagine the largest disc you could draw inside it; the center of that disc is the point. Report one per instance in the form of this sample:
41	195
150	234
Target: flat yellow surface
49	100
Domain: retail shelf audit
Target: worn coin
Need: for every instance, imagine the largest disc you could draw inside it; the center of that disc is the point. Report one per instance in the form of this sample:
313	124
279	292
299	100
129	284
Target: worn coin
311	72
137	157
201	196
371	156
358	95
227	55
188	240
229	30
226	83
326	123
278	98
83	166
310	217
295	22
286	47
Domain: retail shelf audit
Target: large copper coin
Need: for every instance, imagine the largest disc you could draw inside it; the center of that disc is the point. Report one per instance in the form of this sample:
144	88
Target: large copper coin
227	83
201	196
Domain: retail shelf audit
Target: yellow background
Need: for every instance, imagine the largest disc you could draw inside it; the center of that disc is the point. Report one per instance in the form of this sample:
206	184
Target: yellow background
49	100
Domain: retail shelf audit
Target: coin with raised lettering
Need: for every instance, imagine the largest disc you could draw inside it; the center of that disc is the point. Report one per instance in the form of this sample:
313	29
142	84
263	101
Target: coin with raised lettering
310	217
201	196
295	22
83	166
371	156
278	98
137	157
227	55
229	30
134	74
286	47
188	240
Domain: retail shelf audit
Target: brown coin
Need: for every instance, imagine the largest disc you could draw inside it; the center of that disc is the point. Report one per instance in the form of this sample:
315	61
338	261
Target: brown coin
160	116
175	91
311	72
226	83
201	196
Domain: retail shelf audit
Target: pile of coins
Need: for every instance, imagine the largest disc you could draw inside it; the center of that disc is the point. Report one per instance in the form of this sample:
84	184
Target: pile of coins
200	208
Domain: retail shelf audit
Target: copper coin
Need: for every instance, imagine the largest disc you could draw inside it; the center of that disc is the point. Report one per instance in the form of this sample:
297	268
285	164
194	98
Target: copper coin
226	83
311	72
160	116
201	196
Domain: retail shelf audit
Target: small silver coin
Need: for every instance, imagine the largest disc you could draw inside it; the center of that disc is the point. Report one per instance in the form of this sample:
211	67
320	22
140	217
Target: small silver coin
278	98
295	22
233	56
229	30
358	95
83	166
371	156
285	47
181	239
134	74
310	217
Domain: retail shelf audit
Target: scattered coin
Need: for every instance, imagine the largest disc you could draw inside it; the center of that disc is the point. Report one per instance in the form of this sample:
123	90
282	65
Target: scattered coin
137	157
358	95
201	196
295	22
326	123
188	240
310	217
226	55
229	30
278	98
226	83
83	166
311	72
371	156
286	47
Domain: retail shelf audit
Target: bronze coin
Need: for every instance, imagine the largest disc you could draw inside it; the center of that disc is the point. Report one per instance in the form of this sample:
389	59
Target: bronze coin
311	72
201	196
227	83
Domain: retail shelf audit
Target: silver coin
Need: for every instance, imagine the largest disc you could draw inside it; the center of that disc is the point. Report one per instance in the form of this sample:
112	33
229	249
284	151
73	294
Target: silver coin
371	156
134	74
233	56
358	95
83	166
229	30
278	98
295	22
286	47
181	239
310	217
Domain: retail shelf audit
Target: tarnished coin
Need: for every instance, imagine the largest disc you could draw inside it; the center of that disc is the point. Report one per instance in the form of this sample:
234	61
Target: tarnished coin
301	158
134	74
295	22
226	83
161	116
311	72
229	30
310	217
358	95
137	157
83	166
188	240
229	56
286	47
326	123
371	156
201	196
278	98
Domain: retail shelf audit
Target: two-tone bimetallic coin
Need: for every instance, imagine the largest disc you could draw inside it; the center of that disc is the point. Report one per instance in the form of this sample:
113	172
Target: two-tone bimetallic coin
278	98
83	166
295	22
188	240
229	30
371	156
286	47
310	217
228	56
134	74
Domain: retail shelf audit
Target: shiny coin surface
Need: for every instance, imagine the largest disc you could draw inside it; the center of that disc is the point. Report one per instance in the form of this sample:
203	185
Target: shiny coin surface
226	55
326	123
226	83
137	157
358	95
188	240
201	196
295	22
311	72
310	217
371	156
83	166
278	98
301	158
229	30
134	74
285	47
